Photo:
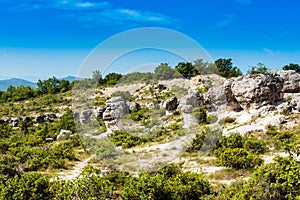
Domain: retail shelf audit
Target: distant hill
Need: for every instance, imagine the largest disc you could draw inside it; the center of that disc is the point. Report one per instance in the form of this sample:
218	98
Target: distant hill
4	84
70	78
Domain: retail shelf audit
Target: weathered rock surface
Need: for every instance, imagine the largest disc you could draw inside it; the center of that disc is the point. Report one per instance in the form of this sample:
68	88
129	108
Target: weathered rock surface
98	112
85	116
115	110
192	100
291	80
170	104
133	106
254	91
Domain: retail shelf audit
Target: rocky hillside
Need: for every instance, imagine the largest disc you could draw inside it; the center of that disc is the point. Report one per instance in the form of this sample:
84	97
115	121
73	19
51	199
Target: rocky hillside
208	129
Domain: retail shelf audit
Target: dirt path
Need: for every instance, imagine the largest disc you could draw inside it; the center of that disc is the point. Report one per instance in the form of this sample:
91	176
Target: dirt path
74	173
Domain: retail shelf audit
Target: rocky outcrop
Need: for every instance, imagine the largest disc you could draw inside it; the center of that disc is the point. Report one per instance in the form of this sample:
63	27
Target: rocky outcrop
254	91
170	104
45	117
133	106
115	110
291	80
192	100
231	101
246	92
98	112
85	116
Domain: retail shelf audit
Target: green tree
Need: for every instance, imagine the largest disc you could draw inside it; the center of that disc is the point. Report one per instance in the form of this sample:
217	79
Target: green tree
187	70
164	72
260	68
292	66
49	86
226	68
112	78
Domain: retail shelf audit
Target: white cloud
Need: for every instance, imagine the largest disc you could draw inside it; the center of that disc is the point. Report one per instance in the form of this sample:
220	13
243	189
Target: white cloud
128	15
77	5
268	51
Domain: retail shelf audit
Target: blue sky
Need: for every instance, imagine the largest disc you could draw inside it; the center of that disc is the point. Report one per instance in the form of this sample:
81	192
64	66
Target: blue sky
44	38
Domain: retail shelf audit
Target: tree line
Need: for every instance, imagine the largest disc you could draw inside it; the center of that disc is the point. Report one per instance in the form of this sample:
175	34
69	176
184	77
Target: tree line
49	86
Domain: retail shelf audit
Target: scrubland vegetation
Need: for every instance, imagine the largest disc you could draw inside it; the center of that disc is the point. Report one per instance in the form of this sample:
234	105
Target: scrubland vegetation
29	162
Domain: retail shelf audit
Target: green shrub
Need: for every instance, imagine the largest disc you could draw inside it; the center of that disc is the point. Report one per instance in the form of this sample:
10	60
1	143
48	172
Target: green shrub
239	159
63	150
106	151
126	140
278	180
139	114
200	114
255	145
229	120
205	140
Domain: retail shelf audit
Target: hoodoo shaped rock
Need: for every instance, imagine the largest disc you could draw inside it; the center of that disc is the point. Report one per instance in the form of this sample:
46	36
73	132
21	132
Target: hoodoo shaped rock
115	110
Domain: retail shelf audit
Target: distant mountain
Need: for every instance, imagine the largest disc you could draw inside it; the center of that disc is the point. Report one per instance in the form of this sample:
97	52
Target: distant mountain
4	84
70	78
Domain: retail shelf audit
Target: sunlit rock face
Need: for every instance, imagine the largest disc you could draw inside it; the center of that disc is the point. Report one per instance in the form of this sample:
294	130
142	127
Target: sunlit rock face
115	110
254	91
291	80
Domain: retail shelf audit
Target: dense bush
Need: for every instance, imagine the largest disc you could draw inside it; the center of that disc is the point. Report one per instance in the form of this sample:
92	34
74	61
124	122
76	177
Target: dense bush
27	186
49	86
164	72
137	77
236	140
126	140
187	70
238	158
205	140
278	180
140	114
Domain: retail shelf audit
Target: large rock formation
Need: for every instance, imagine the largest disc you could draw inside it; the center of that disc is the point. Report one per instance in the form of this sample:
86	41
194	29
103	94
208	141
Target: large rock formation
254	91
246	92
115	110
85	116
291	80
192	100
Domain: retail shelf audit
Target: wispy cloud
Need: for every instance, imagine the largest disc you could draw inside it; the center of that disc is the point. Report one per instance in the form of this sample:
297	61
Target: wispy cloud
225	22
99	12
280	35
138	16
268	51
244	1
77	5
